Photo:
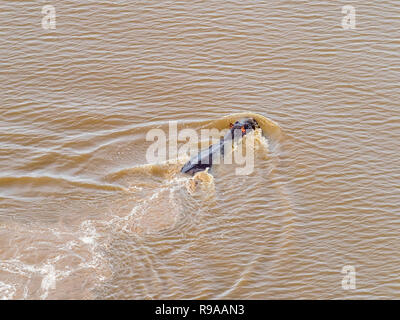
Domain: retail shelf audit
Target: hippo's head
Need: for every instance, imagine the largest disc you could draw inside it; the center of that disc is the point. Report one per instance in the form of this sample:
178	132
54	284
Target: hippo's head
244	125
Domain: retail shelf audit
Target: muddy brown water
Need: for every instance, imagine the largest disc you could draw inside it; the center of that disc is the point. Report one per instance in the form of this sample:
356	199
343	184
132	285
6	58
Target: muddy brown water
84	216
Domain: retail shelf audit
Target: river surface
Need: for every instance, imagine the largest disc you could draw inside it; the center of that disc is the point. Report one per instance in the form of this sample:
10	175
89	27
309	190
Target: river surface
84	215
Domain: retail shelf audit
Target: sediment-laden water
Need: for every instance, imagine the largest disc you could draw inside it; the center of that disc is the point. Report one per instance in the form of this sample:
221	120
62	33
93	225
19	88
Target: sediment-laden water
84	215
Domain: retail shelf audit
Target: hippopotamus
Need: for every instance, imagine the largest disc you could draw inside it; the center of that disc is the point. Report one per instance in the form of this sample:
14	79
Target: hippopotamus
204	159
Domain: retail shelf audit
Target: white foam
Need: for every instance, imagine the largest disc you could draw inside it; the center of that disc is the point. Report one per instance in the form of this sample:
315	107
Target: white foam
7	291
49	280
87	240
51	272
